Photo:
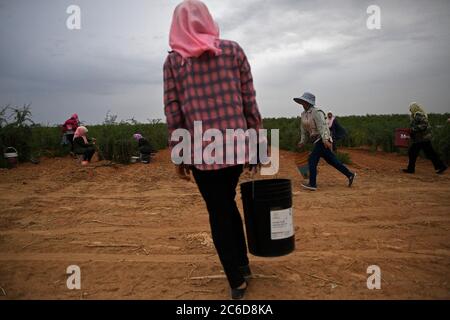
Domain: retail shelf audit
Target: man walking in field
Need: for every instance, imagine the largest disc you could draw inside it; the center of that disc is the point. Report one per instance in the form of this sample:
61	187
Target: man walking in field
314	129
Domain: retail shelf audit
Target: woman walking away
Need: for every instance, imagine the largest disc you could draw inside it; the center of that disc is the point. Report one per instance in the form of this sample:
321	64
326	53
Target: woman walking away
314	129
69	127
209	80
145	148
336	130
84	146
421	140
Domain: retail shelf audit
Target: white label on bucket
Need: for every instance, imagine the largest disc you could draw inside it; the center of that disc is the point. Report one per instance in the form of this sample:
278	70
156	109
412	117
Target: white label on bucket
281	224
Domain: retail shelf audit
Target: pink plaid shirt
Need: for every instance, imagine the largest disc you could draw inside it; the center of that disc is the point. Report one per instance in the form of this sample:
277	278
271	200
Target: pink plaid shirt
217	90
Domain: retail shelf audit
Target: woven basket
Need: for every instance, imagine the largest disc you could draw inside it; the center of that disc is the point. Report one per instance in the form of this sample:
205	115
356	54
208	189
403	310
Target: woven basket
301	162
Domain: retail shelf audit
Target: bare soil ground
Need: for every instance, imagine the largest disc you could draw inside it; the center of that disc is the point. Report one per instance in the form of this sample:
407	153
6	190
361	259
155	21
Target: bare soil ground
138	232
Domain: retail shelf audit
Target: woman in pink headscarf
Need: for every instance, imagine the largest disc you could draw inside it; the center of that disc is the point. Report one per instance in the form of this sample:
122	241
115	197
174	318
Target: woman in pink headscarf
337	131
145	148
208	79
83	145
69	128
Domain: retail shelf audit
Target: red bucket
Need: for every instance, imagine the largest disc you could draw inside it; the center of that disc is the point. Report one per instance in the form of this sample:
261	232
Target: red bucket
402	137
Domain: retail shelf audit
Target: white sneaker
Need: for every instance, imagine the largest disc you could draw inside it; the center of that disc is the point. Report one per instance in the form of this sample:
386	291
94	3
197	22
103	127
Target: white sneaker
308	187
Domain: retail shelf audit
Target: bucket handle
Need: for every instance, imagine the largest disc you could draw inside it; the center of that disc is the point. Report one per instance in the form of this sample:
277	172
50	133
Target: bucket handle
252	177
6	150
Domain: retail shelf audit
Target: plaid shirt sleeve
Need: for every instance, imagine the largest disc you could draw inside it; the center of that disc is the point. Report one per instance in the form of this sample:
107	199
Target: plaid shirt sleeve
251	110
172	106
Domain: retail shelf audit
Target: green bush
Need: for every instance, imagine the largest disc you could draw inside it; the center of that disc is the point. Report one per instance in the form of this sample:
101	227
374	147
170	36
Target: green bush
115	142
16	133
344	157
46	141
18	138
123	151
105	147
441	140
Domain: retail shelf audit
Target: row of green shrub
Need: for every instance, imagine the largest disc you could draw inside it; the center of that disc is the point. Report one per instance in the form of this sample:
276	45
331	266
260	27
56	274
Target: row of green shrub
373	131
114	140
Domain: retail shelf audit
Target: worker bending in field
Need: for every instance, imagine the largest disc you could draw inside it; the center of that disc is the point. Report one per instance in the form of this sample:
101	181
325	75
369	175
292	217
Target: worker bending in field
314	129
83	146
145	148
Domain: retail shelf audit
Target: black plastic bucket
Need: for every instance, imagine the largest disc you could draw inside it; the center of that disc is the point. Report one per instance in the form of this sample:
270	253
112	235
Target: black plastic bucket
268	217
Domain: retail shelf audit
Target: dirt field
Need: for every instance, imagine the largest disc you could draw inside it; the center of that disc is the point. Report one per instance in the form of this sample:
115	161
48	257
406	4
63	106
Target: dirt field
137	232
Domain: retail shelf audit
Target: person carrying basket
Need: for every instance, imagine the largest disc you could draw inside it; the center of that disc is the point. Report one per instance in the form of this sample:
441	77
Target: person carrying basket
314	129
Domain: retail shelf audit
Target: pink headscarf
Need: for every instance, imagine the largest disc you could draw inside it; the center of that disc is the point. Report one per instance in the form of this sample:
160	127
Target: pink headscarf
330	121
137	136
74	116
81	132
193	30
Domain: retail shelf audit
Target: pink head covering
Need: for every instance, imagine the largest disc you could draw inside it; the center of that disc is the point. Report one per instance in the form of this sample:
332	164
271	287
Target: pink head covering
74	116
330	121
137	136
193	30
81	132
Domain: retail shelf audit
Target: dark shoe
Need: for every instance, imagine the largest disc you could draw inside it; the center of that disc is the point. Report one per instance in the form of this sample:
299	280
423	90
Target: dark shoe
351	179
245	271
408	171
238	294
441	170
307	186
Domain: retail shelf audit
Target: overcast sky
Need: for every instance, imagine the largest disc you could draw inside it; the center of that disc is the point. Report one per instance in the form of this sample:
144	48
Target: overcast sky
115	61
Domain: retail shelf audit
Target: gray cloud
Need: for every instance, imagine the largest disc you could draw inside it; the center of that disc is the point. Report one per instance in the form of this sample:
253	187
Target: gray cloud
115	61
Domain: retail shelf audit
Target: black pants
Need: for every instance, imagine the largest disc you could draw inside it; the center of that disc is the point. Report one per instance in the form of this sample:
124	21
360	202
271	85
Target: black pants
320	151
70	138
334	147
145	153
145	157
218	188
88	153
426	146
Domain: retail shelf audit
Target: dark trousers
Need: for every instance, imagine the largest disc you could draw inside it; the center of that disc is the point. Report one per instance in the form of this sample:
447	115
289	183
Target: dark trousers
334	147
88	153
218	188
320	151
146	157
70	138
426	146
